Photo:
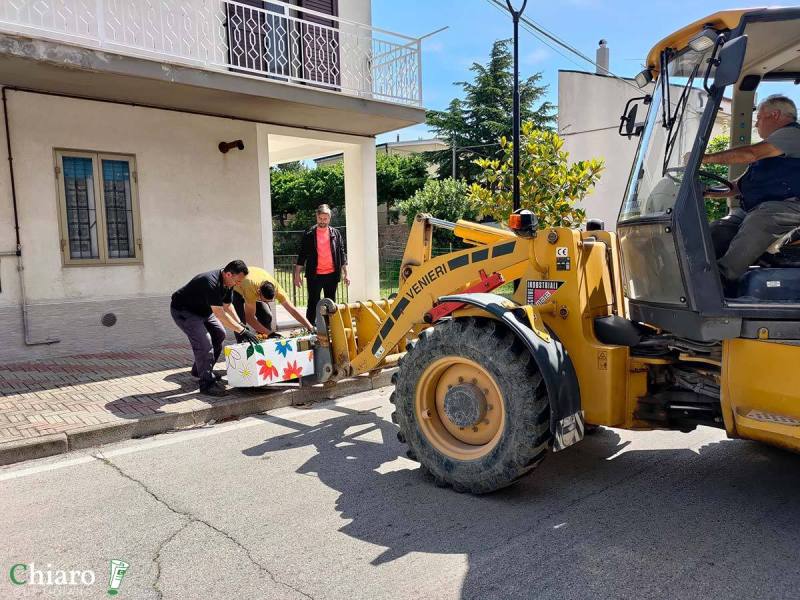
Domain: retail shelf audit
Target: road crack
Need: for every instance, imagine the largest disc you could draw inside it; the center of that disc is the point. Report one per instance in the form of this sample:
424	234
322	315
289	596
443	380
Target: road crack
191	518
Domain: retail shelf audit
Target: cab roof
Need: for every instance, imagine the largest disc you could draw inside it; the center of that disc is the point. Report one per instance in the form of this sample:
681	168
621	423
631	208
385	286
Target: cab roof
726	19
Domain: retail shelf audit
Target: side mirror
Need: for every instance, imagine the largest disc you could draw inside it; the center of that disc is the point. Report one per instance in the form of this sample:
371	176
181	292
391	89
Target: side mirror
729	64
628	119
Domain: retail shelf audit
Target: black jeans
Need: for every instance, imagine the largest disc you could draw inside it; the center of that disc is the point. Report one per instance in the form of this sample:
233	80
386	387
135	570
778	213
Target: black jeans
317	284
263	313
206	337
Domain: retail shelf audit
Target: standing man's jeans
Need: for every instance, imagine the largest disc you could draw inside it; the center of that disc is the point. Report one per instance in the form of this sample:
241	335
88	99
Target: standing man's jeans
263	314
315	285
740	240
206	337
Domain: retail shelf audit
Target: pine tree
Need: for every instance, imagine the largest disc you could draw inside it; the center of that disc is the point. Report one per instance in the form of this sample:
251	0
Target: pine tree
485	113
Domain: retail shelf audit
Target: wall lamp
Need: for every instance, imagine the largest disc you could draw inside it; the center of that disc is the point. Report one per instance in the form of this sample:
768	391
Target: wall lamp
225	146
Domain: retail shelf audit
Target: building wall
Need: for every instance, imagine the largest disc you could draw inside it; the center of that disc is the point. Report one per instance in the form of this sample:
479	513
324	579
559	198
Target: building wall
355	65
198	209
589	108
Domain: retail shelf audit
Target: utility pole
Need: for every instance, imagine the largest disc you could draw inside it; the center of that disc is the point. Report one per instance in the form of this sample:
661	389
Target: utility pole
455	168
515	16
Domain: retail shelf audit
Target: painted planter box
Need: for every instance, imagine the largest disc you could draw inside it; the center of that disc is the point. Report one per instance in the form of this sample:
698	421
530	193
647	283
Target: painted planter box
270	361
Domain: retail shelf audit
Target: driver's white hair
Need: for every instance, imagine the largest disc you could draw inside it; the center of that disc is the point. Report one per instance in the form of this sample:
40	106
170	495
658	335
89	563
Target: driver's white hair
780	103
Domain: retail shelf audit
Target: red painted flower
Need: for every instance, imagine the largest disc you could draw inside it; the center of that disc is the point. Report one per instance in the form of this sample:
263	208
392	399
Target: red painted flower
292	371
266	369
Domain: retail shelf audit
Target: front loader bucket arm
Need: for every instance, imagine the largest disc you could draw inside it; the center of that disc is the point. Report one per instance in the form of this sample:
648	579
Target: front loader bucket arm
362	335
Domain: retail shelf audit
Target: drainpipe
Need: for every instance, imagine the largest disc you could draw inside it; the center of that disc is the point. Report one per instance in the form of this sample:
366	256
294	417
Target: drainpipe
18	251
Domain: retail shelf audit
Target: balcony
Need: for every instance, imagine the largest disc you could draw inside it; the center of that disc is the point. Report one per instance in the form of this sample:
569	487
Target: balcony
282	44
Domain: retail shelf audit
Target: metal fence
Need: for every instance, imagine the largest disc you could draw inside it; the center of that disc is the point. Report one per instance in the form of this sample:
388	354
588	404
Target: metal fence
284	274
282	42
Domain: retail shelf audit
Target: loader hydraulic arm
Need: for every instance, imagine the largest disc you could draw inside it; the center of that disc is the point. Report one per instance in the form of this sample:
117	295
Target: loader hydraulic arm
363	336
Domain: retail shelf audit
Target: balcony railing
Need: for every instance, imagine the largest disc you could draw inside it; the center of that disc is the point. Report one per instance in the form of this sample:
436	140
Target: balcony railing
282	42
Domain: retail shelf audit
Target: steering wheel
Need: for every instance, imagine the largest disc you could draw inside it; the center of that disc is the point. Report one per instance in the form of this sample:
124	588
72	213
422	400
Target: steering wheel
725	184
676	175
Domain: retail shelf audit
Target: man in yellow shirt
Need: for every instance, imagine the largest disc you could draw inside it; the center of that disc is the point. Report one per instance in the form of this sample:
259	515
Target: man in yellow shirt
250	300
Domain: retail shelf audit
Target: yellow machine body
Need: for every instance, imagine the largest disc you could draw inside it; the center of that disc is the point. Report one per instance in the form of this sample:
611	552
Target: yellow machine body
574	310
759	390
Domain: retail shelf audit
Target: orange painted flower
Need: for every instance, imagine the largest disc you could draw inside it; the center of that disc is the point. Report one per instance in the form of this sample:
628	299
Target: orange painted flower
266	369
292	371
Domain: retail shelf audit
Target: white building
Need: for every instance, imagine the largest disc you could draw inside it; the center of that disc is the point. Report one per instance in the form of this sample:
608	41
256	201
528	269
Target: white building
589	110
117	191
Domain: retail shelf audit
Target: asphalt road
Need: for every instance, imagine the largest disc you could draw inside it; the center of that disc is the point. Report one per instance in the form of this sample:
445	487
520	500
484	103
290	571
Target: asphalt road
321	503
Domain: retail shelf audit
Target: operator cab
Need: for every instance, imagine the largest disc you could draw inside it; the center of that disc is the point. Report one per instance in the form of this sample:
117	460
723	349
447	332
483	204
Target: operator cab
701	86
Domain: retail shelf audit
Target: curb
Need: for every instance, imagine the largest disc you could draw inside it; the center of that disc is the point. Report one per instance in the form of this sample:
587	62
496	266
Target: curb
248	404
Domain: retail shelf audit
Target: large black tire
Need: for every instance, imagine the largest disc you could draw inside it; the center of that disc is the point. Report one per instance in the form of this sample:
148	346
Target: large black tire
524	437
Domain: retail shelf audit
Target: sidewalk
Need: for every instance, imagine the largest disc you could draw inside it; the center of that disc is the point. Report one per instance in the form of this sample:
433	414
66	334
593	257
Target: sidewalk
52	406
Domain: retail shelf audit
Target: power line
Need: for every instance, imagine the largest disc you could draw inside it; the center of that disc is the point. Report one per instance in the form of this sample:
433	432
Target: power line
533	32
542	31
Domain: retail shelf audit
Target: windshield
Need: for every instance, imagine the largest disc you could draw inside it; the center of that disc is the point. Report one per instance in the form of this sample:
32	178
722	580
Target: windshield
669	134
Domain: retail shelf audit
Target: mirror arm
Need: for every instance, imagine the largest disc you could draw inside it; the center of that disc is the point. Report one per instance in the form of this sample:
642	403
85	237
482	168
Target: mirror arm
713	61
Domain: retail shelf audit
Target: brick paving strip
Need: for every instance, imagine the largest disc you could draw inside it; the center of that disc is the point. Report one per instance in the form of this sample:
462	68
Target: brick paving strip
53	406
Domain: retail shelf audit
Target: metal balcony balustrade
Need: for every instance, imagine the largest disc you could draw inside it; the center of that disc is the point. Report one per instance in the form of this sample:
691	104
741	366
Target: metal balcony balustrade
281	42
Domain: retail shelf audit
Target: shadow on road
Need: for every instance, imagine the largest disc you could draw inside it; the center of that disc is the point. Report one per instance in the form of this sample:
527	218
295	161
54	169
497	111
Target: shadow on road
599	519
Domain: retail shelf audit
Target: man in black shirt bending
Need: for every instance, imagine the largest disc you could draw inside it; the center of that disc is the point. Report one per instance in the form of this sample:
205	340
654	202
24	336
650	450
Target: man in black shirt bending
202	309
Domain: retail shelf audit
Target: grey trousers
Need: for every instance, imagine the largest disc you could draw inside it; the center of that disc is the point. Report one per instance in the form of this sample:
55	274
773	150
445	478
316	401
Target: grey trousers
206	337
740	240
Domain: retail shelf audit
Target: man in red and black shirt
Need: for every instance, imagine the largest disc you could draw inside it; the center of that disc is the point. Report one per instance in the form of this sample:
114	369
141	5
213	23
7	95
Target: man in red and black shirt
322	252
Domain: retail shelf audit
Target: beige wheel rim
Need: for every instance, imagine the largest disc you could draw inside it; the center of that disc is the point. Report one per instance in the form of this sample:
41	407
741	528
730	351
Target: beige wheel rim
459	408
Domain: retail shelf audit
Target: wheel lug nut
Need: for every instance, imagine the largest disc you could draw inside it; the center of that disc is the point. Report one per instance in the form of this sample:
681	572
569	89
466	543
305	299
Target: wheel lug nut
474	381
460	380
486	391
449	387
475	429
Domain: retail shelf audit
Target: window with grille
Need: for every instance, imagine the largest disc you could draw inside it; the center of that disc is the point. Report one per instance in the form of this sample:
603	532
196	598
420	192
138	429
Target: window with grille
99	212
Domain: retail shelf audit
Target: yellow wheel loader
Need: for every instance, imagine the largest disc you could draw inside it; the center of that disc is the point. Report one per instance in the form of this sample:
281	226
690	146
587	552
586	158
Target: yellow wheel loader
630	329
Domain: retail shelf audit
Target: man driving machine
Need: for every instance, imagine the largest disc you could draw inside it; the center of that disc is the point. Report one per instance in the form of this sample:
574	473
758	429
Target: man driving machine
769	189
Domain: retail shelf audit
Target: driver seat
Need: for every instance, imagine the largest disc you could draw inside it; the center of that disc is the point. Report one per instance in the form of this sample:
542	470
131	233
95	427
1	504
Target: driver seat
777	278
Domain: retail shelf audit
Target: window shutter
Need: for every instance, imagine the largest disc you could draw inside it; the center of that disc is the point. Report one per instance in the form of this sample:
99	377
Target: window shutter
321	52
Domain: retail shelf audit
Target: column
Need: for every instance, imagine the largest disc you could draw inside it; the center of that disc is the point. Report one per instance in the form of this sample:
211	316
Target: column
265	198
361	209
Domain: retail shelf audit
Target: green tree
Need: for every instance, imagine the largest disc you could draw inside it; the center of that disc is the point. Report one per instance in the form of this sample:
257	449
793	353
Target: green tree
399	177
444	199
716	208
297	193
485	113
297	190
550	186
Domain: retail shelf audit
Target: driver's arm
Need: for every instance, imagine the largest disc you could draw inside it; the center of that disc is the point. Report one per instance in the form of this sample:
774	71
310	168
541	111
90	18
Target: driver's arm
743	155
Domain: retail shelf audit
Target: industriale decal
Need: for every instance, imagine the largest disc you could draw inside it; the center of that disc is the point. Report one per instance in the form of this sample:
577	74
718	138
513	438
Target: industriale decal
539	291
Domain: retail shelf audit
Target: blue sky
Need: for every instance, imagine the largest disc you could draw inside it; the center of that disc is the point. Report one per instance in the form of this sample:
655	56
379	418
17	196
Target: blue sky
631	29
